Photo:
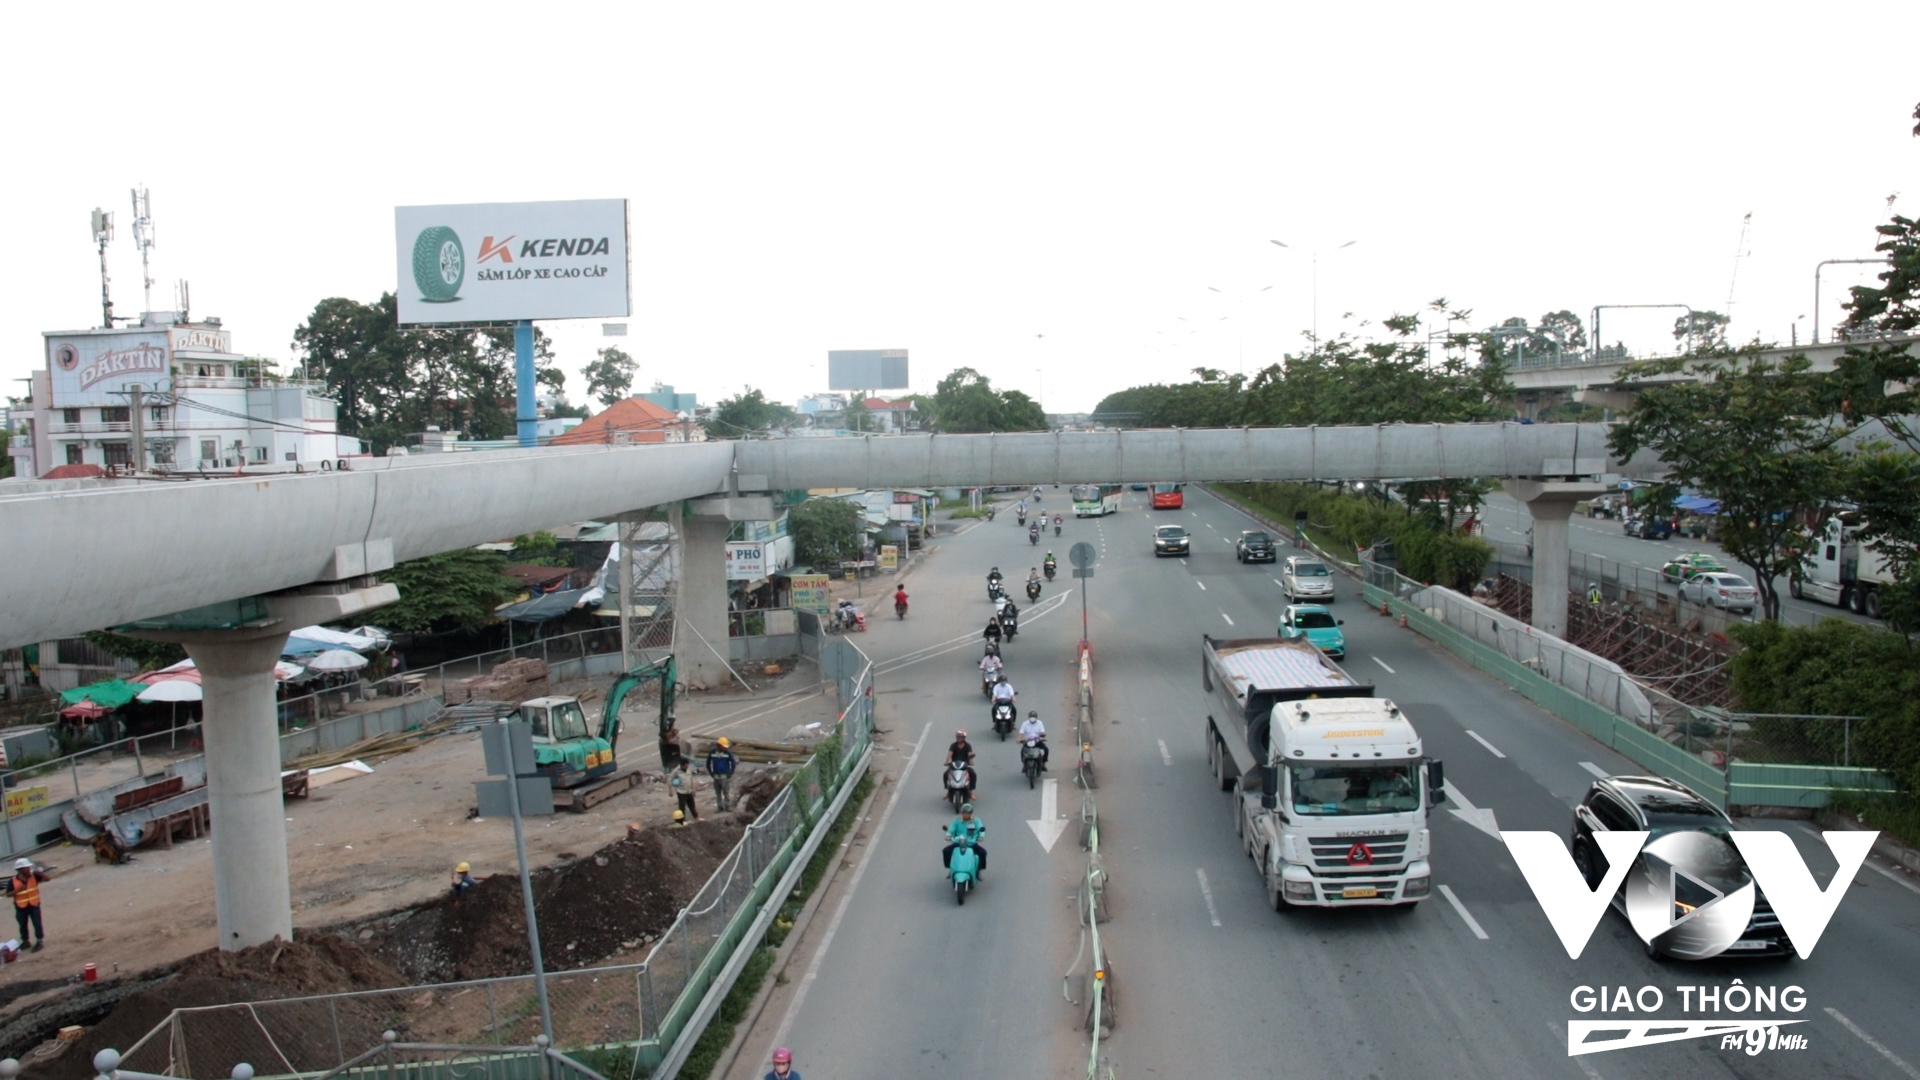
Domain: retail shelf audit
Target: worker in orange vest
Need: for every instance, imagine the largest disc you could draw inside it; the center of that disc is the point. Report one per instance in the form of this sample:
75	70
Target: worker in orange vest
25	887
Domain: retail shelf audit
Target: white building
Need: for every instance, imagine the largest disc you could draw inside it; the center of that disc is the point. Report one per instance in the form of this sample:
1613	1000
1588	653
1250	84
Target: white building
181	390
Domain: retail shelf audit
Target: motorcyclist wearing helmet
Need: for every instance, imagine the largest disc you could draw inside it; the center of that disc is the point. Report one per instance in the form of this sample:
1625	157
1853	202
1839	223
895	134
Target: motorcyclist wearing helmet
1003	691
991	664
783	1066
961	750
1009	618
1032	730
993	632
965	829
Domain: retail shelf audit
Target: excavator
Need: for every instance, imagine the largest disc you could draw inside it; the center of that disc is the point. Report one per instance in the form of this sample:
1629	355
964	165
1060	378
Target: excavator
581	765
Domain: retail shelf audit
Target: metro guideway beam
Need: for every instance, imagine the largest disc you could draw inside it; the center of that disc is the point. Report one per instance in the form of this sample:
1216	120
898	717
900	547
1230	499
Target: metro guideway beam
253	557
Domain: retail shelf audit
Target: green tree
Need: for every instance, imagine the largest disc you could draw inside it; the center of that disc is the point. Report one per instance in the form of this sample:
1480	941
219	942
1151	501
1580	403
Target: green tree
6	463
539	549
1755	435
826	531
1701	332
856	416
456	589
1835	668
966	402
1565	327
746	415
610	377
151	655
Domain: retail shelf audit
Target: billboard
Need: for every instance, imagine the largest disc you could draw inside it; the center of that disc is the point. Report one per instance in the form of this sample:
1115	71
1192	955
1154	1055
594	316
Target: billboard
746	560
497	262
867	369
96	368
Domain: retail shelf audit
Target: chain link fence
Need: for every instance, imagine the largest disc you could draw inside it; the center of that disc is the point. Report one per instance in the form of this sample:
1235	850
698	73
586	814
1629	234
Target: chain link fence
629	1007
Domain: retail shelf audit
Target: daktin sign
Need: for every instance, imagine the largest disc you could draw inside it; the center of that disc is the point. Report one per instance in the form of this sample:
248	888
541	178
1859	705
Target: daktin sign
499	262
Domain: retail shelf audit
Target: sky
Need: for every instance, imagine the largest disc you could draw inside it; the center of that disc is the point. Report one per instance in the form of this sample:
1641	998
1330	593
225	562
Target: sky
1042	192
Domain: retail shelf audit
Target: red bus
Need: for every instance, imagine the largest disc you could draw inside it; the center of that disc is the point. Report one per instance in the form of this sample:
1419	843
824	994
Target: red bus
1168	496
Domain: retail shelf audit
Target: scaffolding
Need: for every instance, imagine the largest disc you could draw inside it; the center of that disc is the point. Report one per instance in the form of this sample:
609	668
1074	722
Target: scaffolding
1692	669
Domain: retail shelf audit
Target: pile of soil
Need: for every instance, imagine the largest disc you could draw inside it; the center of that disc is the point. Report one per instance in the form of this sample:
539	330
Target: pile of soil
314	964
615	900
754	792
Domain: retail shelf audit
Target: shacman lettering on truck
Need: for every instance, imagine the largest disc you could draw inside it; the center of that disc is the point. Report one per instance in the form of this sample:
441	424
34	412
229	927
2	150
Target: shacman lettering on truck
1331	791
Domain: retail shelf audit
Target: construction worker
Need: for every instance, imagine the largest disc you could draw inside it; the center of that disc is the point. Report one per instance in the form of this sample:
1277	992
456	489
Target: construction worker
720	765
681	780
1593	594
25	887
783	1066
679	819
463	881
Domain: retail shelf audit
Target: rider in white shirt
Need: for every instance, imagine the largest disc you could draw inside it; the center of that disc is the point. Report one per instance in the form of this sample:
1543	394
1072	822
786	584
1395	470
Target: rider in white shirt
1003	691
1032	729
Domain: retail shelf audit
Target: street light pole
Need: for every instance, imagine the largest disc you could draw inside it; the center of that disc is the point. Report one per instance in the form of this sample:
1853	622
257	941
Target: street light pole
1821	265
1240	317
1316	283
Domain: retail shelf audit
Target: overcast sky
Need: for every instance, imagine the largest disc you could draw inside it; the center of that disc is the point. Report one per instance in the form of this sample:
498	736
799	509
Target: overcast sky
958	180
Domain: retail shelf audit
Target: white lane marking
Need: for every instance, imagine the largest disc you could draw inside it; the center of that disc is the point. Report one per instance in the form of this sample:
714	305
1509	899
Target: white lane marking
1560	1033
1892	876
1875	1043
1491	749
1277	581
1214	912
1166	755
1466	916
1595	769
1383	664
1227	617
846	901
1039	610
1049	825
1202	584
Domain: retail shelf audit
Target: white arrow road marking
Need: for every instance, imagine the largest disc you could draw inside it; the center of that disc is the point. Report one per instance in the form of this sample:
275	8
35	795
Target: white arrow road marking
1207	891
1478	817
1165	754
1491	749
1050	824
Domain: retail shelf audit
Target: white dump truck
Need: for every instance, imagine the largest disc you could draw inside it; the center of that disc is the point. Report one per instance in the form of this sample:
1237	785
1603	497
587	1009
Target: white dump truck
1330	788
1842	571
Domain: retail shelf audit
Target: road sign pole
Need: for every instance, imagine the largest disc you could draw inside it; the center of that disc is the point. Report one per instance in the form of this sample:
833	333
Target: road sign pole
1082	555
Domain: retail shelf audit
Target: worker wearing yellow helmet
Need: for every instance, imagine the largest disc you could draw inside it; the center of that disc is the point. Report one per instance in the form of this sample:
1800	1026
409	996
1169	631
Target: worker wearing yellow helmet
463	881
720	765
679	819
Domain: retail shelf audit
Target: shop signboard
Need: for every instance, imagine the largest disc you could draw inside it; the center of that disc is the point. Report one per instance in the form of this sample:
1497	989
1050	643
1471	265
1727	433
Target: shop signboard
746	560
809	593
25	800
889	557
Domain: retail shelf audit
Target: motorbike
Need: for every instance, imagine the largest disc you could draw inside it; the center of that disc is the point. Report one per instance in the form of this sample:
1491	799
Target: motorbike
1033	590
1032	761
963	869
899	609
959	784
1003	719
1050	569
1020	518
856	625
1010	627
1056	526
995	591
987	679
993	648
991	511
1033	535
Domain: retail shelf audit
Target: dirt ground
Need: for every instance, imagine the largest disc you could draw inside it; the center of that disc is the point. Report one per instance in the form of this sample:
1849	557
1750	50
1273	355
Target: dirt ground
381	842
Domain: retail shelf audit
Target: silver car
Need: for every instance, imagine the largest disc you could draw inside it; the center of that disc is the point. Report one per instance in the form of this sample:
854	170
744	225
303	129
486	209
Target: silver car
1307	578
1730	591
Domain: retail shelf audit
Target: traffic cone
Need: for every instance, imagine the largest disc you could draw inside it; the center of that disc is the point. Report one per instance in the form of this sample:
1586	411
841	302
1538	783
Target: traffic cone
1403	620
1385	609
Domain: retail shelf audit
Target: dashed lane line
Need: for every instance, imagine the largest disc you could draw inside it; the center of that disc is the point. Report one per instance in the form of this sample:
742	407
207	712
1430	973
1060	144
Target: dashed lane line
1595	769
1877	1045
1227	617
1383	664
1467	917
1213	913
1491	749
1166	755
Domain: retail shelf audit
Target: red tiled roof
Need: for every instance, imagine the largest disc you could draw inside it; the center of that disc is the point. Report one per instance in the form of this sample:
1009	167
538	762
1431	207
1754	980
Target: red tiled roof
642	420
73	472
885	405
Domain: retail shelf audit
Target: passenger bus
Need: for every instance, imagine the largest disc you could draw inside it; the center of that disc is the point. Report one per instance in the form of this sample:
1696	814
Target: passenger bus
1094	500
1168	496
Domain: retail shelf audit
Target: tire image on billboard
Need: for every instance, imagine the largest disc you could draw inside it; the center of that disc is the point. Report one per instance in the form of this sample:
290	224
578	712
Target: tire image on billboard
439	264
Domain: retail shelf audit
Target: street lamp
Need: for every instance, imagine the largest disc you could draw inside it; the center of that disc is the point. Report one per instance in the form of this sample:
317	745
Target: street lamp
1823	264
1316	283
1240	312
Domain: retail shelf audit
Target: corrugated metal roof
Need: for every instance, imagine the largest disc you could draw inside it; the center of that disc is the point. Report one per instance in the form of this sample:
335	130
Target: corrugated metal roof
1279	666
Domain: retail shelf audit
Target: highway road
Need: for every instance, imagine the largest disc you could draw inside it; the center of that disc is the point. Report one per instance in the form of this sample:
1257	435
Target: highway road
1210	981
1508	522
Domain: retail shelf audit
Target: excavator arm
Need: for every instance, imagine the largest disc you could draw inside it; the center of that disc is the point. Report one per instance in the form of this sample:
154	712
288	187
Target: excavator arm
664	671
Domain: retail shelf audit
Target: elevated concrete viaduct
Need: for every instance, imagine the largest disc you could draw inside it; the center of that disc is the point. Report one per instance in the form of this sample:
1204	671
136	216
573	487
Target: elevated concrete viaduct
228	566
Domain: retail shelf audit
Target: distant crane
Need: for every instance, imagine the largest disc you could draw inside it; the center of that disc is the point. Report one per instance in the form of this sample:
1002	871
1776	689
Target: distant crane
1739	252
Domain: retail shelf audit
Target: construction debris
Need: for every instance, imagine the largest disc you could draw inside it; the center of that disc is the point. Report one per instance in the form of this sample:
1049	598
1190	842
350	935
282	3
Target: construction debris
515	680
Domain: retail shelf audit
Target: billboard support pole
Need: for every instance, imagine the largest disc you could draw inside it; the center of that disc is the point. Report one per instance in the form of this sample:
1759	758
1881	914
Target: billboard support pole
523	381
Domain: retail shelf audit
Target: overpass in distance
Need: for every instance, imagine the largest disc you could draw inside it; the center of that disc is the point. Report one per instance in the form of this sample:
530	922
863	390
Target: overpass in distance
227	566
1544	380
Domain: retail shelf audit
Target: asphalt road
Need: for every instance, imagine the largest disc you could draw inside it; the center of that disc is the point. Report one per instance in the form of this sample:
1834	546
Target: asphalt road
1209	980
1507	521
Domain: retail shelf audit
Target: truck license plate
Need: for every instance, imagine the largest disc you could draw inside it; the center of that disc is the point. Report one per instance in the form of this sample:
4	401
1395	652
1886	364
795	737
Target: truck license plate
1362	892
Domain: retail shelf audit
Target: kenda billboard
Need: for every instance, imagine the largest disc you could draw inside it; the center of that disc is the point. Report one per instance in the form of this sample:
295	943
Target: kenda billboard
489	262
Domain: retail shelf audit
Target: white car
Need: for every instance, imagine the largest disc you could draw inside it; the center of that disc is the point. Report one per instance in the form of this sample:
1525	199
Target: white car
1721	590
1306	578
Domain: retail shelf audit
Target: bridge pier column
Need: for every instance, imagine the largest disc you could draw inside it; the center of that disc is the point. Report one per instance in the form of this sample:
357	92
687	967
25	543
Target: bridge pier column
1550	503
235	646
701	652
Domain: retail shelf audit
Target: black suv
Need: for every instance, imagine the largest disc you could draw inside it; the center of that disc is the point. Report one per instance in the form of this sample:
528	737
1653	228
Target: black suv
1659	807
1255	546
1171	540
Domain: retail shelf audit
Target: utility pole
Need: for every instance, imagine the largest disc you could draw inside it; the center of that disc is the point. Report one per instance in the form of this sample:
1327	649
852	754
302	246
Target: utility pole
139	429
102	233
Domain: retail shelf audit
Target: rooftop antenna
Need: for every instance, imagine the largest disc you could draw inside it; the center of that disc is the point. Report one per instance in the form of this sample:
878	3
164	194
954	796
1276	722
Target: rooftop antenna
102	233
182	301
143	236
1739	252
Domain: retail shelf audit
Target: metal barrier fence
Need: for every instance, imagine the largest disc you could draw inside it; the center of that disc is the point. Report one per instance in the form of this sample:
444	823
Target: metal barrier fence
627	1014
1090	903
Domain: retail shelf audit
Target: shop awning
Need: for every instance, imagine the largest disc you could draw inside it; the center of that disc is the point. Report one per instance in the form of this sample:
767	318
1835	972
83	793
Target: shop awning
543	608
1697	504
109	694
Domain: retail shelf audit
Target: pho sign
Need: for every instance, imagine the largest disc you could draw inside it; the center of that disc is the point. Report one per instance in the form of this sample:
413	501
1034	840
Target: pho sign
746	560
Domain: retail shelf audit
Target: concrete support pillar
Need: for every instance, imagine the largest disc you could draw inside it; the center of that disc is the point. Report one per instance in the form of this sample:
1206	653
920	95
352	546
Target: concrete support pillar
251	896
700	641
1551	503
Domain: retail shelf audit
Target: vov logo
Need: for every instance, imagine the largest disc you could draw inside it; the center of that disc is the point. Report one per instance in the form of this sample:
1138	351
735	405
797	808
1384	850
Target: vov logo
1679	897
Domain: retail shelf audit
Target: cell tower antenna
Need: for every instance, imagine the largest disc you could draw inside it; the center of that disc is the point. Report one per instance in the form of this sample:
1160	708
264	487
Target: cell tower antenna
1740	252
102	234
143	236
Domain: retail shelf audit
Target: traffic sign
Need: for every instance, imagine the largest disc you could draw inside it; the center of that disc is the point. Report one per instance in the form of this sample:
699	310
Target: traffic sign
1081	555
1083	572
